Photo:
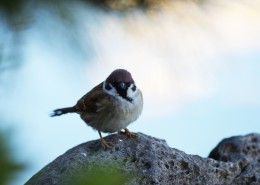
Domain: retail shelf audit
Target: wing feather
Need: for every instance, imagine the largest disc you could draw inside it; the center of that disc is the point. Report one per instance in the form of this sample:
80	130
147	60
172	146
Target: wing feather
90	102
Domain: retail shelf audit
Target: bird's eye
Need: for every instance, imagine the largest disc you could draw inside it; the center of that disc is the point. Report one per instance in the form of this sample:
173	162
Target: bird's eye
108	87
133	88
122	85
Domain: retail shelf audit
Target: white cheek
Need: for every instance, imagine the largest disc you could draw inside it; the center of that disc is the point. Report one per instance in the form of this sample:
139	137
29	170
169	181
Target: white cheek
112	91
130	92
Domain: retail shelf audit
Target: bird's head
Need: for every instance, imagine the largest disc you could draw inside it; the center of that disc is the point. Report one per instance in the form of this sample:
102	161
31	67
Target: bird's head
120	83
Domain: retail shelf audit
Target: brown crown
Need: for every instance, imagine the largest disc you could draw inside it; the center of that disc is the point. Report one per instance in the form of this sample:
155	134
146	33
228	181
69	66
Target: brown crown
120	75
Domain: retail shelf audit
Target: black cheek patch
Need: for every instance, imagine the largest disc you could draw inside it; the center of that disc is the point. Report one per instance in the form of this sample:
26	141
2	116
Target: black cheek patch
108	87
133	88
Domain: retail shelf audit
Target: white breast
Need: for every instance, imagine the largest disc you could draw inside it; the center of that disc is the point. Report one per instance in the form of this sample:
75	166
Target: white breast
123	113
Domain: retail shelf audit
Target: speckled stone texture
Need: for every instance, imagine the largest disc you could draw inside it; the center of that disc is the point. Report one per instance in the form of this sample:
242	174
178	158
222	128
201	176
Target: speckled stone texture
244	150
152	161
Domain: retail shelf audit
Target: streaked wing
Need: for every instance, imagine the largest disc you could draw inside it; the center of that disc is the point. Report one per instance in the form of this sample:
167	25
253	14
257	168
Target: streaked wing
90	102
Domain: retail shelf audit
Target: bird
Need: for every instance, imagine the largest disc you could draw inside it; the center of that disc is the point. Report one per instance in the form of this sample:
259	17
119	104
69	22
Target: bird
110	106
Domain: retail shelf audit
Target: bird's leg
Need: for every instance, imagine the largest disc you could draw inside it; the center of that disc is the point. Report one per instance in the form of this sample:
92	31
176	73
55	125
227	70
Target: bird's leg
128	133
103	142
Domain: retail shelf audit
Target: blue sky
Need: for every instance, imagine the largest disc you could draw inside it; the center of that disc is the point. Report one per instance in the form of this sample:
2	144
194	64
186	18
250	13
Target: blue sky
199	73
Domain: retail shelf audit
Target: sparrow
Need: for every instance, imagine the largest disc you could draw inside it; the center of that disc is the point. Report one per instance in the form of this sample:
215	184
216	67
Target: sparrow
110	106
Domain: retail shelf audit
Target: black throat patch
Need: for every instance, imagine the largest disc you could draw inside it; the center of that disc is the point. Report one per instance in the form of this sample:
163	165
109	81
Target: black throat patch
121	89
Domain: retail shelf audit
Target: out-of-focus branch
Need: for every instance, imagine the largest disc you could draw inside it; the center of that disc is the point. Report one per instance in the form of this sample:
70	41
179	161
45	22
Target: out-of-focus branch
16	16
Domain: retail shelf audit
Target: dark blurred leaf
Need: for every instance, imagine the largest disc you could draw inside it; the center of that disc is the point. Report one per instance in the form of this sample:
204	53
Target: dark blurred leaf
13	13
8	166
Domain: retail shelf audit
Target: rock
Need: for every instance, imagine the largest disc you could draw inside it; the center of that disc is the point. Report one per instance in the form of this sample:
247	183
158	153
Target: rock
244	150
148	160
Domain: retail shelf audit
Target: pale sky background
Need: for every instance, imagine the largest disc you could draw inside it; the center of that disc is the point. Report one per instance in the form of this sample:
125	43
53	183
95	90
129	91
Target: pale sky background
198	68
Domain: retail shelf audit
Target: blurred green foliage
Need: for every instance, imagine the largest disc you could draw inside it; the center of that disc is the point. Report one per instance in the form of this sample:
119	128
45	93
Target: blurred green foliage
8	166
109	174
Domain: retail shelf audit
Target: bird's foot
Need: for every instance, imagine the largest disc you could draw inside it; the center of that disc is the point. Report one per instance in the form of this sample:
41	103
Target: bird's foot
106	144
128	133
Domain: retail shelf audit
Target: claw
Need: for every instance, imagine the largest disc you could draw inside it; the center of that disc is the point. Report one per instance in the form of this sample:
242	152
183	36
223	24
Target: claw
128	133
104	143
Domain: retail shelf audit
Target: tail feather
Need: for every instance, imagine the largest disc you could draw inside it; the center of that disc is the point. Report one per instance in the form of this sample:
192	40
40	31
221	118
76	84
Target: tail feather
61	111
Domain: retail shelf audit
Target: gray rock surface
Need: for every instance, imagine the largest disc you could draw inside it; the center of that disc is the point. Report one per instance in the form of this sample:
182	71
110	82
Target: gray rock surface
244	150
151	161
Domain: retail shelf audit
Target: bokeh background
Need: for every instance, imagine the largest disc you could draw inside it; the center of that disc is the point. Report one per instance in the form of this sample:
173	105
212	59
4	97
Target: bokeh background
197	63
